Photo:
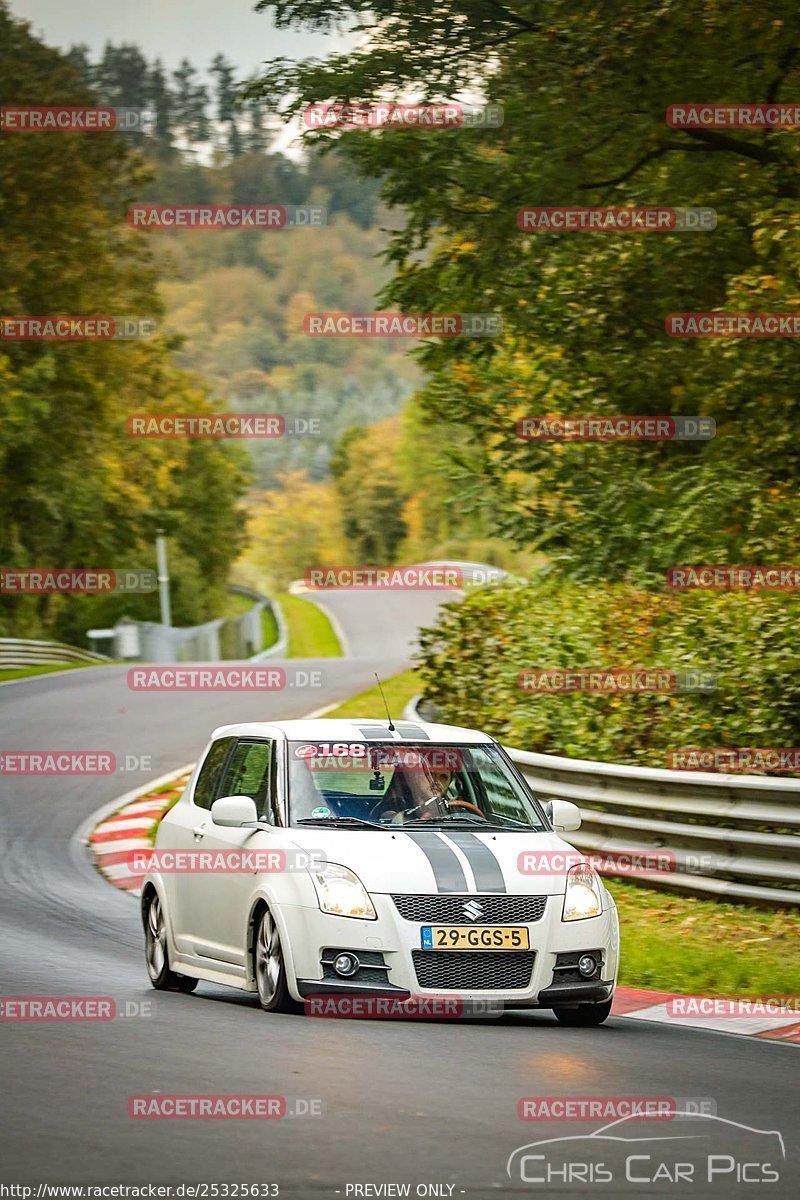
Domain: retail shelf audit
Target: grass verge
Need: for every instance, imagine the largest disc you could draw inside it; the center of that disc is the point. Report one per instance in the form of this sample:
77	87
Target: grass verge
236	605
42	669
311	634
683	944
269	628
398	691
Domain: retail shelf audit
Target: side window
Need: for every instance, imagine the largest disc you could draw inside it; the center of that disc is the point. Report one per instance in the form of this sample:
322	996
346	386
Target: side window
205	790
249	773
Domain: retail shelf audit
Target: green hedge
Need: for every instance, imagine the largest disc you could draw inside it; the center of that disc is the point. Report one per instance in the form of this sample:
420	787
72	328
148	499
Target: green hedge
471	660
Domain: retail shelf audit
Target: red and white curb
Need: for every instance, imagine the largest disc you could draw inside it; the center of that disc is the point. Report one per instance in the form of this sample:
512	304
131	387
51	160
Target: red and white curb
130	824
644	1005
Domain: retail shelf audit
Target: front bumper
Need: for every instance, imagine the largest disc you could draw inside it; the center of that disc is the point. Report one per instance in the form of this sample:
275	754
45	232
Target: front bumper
393	940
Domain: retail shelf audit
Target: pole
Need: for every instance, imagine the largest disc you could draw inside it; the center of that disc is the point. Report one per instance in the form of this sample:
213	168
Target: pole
163	579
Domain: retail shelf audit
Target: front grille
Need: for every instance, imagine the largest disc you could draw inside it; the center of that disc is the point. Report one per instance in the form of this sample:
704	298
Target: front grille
465	970
449	909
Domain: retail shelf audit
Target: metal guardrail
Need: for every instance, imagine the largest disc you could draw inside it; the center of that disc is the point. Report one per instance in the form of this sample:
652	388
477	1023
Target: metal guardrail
728	836
279	647
224	638
234	637
16	653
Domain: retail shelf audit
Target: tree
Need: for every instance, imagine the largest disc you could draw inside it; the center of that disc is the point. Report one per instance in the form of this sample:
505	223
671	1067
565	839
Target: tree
191	100
585	92
257	136
162	101
367	480
292	530
226	102
78	491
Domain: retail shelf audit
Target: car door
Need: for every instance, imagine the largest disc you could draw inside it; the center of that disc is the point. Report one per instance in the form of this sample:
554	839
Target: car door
224	896
184	830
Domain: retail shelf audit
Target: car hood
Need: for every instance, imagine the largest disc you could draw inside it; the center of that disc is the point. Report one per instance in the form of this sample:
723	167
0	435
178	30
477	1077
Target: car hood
422	861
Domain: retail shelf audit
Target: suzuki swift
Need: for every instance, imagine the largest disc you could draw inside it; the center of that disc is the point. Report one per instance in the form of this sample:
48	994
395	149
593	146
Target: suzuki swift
326	857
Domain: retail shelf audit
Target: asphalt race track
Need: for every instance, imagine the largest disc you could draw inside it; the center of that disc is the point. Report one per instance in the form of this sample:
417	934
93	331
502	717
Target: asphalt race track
417	1102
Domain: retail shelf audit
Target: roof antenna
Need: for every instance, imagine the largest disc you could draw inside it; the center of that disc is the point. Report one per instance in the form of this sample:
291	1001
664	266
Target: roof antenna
385	705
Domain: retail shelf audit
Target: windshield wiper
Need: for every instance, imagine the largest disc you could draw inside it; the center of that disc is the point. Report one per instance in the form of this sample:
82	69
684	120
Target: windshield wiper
345	822
435	822
468	819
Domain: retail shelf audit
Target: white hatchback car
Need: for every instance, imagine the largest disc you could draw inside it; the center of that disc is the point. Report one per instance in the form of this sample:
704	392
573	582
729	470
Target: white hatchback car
329	857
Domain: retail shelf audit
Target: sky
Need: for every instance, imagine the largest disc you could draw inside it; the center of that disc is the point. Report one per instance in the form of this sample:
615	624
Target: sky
173	29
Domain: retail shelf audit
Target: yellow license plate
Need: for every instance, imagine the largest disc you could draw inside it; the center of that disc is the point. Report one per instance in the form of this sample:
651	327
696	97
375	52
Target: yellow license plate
475	937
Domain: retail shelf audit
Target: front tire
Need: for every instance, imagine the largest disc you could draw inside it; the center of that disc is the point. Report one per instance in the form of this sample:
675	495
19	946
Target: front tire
269	966
584	1014
162	977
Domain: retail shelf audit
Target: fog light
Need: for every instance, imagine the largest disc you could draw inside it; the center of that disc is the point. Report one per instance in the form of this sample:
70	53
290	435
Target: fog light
346	964
587	965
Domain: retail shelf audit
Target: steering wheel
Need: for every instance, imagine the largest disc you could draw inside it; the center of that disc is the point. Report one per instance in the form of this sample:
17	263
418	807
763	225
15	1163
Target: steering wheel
466	804
418	808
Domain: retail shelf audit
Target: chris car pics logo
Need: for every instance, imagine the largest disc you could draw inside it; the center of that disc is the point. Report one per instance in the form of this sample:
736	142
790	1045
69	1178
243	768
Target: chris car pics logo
691	1148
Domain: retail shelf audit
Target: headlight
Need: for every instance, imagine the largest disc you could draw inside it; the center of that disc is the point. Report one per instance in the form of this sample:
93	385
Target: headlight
342	893
583	896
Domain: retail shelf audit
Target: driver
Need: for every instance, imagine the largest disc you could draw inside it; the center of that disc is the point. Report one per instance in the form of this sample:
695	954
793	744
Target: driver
428	789
418	792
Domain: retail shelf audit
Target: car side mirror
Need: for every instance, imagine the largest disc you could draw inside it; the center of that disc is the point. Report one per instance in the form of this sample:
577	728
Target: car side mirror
564	815
235	812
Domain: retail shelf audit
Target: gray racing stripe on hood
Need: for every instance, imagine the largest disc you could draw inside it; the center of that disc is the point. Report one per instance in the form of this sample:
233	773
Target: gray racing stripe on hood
447	870
485	867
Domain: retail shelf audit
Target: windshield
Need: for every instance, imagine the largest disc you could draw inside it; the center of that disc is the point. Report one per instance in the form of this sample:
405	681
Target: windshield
390	784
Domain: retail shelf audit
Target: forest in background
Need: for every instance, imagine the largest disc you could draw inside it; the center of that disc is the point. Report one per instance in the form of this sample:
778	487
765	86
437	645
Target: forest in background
237	300
228	308
373	486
